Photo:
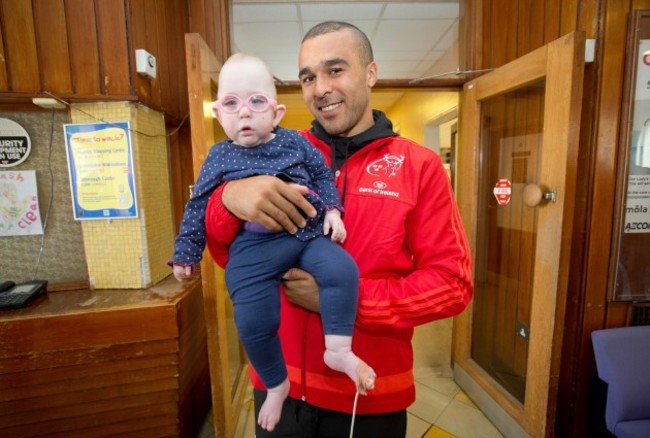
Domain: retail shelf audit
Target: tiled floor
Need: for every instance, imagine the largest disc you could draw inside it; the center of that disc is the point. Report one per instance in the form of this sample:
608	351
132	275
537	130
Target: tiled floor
441	409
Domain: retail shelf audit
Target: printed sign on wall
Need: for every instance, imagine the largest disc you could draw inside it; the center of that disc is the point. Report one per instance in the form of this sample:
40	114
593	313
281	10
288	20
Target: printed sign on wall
15	144
19	213
100	163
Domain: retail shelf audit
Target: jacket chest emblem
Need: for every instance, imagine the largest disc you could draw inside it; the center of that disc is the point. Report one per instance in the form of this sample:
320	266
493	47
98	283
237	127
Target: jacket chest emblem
386	167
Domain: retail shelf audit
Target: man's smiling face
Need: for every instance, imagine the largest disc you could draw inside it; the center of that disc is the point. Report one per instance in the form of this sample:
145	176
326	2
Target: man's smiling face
336	86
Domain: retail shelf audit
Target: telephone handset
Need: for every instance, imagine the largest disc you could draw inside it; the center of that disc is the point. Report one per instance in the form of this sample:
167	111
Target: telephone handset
20	294
6	285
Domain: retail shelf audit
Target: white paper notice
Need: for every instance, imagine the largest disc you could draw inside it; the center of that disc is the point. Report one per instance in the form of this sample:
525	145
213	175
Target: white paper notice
637	210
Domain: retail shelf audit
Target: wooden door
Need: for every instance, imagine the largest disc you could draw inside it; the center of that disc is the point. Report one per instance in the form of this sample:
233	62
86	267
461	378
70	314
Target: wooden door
516	175
228	366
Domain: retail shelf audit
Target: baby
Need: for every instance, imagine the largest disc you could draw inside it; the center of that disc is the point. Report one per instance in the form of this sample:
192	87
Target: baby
247	109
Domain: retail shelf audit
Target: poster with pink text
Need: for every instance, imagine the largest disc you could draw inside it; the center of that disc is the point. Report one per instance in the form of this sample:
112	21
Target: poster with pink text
19	213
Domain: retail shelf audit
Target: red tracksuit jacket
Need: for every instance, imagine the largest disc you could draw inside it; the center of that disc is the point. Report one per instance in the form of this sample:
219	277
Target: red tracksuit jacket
406	235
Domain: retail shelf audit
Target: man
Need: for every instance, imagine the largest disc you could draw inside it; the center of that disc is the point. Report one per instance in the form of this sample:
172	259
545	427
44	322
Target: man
404	232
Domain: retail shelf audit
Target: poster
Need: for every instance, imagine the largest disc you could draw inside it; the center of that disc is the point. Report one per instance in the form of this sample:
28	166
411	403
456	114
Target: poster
100	163
641	119
637	208
19	213
632	279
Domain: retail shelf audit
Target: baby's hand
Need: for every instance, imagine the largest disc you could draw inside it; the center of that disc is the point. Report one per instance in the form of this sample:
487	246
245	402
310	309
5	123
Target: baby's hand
334	223
182	272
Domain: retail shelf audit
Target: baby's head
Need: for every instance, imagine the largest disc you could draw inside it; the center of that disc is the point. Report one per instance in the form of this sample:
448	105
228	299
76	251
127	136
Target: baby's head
246	104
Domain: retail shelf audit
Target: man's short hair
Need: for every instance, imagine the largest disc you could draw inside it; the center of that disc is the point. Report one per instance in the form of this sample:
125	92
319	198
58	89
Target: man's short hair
326	27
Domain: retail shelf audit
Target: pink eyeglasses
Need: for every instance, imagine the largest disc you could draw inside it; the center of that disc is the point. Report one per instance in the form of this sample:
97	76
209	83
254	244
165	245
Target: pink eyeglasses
257	103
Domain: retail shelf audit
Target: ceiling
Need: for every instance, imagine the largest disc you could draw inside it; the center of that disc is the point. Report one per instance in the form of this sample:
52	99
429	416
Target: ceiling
410	39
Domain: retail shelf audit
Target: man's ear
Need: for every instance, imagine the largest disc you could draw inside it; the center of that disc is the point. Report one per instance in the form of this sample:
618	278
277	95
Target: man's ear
278	114
372	74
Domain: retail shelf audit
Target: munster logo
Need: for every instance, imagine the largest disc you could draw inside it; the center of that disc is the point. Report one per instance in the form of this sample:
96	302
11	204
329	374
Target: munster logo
387	166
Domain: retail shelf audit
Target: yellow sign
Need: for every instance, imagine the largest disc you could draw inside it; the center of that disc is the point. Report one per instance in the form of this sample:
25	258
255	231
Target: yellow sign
101	172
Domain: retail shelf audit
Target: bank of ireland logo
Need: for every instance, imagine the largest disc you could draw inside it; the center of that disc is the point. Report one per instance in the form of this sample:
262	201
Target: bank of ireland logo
387	166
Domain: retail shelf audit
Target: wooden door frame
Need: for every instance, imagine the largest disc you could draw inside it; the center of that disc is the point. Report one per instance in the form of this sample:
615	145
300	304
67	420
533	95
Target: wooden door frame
538	409
202	77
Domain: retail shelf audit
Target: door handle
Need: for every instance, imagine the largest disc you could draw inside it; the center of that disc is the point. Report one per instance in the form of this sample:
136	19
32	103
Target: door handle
533	195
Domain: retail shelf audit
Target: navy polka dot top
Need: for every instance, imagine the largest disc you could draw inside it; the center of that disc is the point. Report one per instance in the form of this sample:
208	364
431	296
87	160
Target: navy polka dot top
288	156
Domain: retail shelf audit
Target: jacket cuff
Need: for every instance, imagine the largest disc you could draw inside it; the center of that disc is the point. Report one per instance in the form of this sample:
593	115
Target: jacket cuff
221	227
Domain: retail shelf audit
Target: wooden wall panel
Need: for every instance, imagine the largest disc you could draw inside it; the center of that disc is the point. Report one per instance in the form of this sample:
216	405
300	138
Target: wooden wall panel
179	26
512	28
82	37
589	17
138	34
21	56
52	42
163	100
536	26
500	30
194	370
153	40
3	62
569	16
574	336
84	50
603	150
210	19
182	171
113	52
552	13
159	28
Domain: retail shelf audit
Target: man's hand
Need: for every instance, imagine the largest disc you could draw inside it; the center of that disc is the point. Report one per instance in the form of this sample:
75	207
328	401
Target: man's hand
268	201
301	289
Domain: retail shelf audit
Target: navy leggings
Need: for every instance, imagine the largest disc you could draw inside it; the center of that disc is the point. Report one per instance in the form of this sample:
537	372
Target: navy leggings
256	264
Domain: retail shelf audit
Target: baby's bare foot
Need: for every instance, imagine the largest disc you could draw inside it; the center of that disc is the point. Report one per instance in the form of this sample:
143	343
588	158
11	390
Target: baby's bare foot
347	362
272	407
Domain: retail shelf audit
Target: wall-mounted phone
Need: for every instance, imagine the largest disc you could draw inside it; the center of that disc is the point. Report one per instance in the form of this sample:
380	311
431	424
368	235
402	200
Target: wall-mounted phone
14	296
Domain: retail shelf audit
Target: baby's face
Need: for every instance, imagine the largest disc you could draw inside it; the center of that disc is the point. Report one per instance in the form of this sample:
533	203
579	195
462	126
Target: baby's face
246	107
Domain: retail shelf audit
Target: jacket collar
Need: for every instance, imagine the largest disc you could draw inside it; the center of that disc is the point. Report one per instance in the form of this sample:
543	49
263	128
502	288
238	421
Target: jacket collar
344	147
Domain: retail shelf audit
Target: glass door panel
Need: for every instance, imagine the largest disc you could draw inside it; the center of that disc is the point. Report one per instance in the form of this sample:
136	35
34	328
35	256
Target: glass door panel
511	125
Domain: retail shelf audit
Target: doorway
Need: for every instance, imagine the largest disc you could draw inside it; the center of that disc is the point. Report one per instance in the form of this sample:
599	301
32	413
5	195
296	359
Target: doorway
517	166
440	135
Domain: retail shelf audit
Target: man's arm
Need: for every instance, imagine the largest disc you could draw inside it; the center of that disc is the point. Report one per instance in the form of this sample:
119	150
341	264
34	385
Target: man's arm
440	284
221	227
268	201
264	199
